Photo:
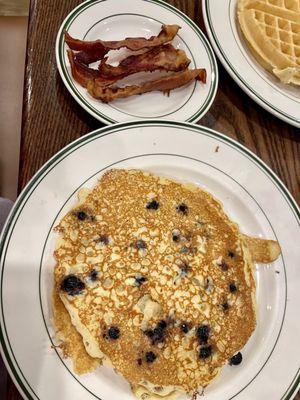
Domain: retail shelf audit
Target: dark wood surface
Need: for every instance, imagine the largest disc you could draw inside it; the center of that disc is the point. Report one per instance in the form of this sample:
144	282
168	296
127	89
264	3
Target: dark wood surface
52	119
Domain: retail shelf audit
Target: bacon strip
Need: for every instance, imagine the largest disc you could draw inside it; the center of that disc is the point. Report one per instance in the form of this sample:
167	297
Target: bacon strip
89	58
167	33
83	74
165	84
164	57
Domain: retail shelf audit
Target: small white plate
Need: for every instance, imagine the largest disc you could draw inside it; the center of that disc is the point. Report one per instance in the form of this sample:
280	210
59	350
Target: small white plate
115	20
221	23
252	195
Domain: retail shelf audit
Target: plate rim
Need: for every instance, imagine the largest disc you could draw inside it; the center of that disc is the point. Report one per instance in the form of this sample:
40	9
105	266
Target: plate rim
259	99
11	364
99	115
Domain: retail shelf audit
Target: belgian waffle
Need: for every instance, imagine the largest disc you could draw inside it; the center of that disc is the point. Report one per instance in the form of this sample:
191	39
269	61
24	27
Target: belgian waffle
272	30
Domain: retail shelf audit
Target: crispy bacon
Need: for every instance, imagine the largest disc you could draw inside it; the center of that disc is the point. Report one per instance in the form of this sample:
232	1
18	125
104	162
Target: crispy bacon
158	56
89	58
83	74
164	57
165	84
167	33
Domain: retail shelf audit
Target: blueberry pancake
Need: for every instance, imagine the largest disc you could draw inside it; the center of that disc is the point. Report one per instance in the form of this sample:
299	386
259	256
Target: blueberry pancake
153	278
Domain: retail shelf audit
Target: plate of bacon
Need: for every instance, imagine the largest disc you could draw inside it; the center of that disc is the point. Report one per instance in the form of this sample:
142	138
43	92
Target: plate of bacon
110	52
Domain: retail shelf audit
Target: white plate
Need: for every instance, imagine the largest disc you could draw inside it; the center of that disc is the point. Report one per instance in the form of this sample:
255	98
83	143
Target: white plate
114	20
252	195
229	44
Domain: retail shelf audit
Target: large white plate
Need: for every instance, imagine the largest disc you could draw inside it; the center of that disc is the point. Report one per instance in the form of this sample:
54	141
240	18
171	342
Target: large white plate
114	20
229	44
252	195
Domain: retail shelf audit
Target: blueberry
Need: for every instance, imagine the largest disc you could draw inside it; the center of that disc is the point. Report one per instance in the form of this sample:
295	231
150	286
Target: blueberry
104	239
232	287
150	357
203	334
184	328
236	359
183	208
184	269
72	285
139	361
152	205
175	237
140	244
149	333
139	280
223	266
162	324
114	332
81	215
231	254
93	275
205	352
225	306
157	334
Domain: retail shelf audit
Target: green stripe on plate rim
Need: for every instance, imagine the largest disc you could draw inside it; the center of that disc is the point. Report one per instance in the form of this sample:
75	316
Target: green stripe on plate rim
17	375
238	76
81	99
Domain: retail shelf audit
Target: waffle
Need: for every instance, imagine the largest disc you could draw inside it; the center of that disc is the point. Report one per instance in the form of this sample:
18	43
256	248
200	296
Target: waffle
156	280
272	30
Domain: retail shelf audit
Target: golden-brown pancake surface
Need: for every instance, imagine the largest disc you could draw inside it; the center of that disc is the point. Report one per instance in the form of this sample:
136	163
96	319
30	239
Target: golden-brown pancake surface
156	279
